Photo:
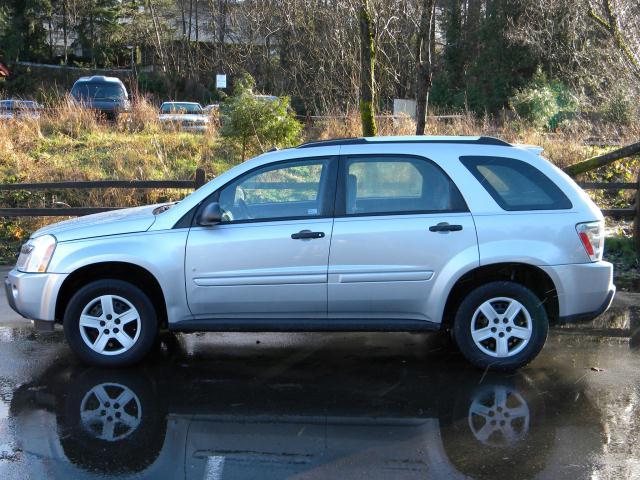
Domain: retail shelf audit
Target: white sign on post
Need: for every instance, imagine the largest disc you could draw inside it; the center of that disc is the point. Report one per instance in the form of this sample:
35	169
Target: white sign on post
221	81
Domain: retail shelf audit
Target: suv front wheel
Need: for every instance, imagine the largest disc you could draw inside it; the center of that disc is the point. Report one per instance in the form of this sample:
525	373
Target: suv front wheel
110	323
500	326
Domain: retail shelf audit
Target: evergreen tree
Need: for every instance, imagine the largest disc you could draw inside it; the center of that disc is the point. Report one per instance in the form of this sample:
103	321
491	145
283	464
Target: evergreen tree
482	67
24	35
100	31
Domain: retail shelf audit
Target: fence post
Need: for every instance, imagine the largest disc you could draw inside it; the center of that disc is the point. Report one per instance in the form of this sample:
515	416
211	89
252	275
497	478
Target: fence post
200	179
636	221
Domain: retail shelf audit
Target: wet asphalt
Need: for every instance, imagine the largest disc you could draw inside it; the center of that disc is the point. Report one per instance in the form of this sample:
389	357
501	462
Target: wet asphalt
318	406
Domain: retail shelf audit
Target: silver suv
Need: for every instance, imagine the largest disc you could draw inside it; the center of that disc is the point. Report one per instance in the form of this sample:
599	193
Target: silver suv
469	234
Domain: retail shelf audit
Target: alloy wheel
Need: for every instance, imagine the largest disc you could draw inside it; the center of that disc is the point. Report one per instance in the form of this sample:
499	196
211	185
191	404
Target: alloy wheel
501	327
110	325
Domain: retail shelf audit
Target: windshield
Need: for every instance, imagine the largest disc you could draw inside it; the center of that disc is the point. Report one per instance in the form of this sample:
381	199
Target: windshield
98	91
181	108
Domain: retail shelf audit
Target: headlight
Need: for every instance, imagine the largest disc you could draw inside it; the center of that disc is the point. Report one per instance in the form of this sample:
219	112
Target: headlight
36	254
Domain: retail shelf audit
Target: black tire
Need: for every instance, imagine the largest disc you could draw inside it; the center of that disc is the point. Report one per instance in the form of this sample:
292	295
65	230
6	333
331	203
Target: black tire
130	450
128	291
464	315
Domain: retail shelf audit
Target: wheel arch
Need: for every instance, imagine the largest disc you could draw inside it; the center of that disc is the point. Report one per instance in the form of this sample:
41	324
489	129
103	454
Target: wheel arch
530	276
128	272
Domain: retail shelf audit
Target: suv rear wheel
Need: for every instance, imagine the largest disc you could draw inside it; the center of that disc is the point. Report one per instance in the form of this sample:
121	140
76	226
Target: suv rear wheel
501	326
110	323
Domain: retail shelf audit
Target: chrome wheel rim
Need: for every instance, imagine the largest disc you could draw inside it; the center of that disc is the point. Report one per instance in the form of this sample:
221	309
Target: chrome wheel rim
499	417
110	325
110	412
501	327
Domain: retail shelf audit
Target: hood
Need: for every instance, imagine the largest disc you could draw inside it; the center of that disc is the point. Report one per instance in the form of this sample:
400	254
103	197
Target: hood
188	117
116	222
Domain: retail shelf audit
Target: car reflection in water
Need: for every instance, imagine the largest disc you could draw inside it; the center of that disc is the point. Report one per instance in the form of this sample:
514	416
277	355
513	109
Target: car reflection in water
317	415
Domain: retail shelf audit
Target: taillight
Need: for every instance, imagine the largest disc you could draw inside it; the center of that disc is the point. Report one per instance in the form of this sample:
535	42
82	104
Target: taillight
592	237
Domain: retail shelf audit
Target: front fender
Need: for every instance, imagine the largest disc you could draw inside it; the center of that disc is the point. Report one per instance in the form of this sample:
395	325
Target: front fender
160	253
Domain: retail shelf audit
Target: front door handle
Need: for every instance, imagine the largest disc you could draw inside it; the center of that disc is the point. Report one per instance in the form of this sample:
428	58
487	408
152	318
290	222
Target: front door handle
445	227
304	234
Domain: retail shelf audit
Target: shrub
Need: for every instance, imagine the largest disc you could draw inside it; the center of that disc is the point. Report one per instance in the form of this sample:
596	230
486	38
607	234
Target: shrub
544	103
254	125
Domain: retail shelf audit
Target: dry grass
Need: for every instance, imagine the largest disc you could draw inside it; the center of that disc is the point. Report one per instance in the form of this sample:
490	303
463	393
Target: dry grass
67	118
69	143
143	117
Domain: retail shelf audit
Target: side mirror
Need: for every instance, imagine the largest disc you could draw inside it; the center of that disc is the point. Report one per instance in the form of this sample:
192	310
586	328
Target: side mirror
210	215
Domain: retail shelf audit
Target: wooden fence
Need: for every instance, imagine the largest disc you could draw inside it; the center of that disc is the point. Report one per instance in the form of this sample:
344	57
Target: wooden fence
632	213
199	180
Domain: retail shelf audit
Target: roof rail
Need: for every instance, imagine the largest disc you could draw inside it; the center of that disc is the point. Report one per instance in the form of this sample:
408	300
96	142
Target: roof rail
335	141
483	140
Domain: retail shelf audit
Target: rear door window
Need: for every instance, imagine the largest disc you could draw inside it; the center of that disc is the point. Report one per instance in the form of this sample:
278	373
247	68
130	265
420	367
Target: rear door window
396	185
516	185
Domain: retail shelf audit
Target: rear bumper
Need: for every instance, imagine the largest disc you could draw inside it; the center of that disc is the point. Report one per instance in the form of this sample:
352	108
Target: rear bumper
588	316
585	290
33	295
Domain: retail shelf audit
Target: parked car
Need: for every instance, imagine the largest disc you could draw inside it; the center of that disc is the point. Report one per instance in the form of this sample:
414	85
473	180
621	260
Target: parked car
469	234
187	116
105	95
213	107
19	109
266	98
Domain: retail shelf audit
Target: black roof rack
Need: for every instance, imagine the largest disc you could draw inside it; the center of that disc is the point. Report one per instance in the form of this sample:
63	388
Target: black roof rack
362	140
335	141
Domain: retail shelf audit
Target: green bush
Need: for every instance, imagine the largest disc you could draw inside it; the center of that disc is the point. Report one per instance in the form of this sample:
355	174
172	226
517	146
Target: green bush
544	103
621	251
252	125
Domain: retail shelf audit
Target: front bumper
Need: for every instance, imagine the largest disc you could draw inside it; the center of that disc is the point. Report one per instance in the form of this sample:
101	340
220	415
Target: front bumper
194	128
585	290
188	127
33	295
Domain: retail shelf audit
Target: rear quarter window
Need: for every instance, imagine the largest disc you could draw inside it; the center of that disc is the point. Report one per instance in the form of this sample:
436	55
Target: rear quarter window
516	185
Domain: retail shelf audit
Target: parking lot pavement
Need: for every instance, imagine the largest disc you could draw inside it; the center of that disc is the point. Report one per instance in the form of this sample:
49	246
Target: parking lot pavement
263	406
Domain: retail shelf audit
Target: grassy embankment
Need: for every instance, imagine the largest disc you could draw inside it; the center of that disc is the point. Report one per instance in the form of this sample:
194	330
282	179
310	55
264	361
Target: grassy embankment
69	144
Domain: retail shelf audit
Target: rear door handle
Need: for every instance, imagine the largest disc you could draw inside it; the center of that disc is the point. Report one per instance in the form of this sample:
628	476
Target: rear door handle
445	227
304	234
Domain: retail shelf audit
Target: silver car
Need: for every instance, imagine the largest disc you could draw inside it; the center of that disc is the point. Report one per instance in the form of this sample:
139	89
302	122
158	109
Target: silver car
19	109
186	116
468	234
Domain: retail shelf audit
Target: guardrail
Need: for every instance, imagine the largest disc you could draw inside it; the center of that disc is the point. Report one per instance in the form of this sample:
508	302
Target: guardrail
199	180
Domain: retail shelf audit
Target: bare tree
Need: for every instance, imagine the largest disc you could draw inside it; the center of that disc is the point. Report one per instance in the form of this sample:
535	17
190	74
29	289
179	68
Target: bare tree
425	43
609	20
